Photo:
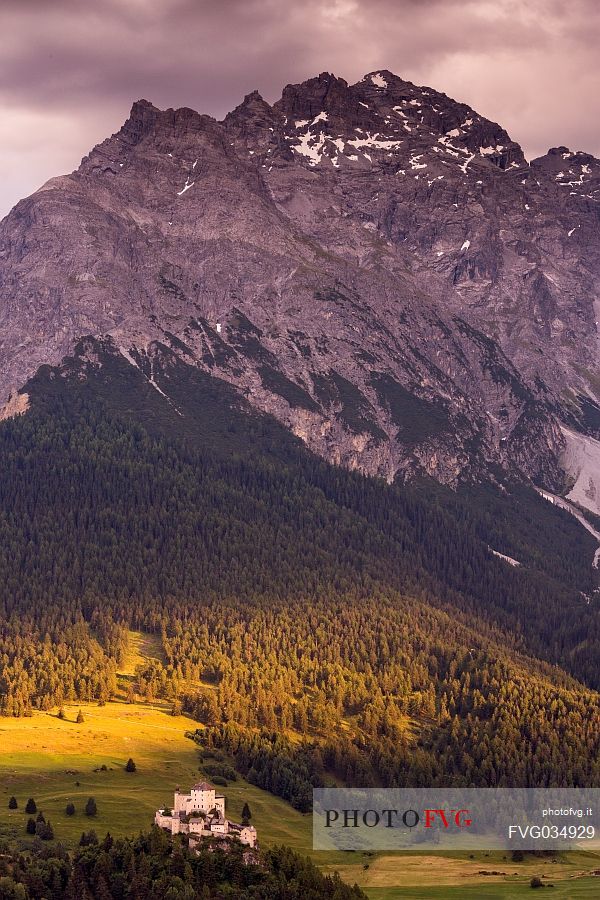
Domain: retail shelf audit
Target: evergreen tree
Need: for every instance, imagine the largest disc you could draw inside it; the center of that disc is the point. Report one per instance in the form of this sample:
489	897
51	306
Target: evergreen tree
10	890
88	838
44	830
108	842
70	809
130	765
12	803
31	806
90	807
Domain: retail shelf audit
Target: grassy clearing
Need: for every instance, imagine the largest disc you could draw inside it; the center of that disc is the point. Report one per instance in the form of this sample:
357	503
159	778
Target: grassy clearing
572	889
142	648
392	877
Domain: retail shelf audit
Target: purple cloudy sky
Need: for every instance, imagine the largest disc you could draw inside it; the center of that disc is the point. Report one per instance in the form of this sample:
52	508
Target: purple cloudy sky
70	69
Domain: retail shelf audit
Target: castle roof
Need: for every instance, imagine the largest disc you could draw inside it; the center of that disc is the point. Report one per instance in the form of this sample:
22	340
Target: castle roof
202	786
236	826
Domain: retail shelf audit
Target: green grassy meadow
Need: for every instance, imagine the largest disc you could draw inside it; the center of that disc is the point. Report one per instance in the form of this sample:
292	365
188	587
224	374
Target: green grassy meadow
420	877
581	889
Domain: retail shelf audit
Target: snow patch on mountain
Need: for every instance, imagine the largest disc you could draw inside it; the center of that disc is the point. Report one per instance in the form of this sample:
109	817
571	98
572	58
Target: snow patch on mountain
375	142
581	460
378	80
508	559
188	184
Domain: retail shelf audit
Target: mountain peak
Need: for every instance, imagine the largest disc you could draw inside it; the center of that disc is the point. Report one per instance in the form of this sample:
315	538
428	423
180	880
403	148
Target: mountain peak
143	112
253	97
326	93
354	257
252	104
580	172
381	78
139	107
253	122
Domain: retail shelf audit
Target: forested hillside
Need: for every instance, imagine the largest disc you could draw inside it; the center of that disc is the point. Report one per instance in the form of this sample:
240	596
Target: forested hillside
289	594
154	867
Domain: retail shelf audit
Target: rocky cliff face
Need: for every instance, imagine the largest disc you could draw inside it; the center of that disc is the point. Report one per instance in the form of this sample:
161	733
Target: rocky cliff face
376	265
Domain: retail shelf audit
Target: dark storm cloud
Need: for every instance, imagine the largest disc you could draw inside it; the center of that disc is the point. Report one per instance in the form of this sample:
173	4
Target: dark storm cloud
70	69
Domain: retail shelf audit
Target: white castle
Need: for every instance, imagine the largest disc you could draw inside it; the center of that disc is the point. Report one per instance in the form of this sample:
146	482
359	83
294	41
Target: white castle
201	814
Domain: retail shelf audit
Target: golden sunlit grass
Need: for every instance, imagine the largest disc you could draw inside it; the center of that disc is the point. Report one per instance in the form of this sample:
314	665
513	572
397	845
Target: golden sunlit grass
44	757
141	648
424	870
447	875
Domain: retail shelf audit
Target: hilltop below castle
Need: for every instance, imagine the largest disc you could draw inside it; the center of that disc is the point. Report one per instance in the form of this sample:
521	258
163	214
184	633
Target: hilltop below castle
201	814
